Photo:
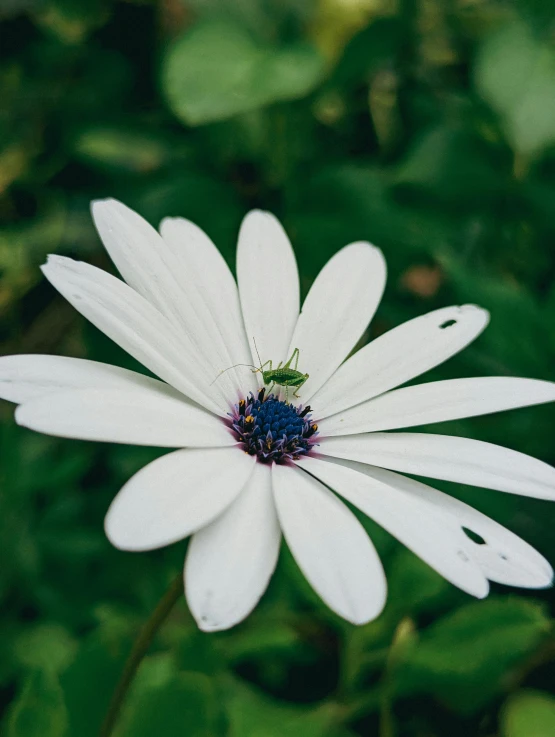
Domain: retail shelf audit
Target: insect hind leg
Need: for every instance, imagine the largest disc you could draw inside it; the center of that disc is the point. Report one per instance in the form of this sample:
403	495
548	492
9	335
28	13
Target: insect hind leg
303	382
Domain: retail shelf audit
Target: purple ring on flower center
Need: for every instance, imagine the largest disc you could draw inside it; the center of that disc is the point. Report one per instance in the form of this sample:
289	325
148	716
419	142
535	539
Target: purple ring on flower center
272	429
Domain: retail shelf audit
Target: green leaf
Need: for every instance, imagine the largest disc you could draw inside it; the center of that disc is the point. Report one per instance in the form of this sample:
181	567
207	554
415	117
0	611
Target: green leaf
263	640
450	165
528	714
196	651
252	714
337	204
191	193
217	70
515	340
515	73
464	657
414	587
374	46
40	710
47	646
123	149
23	247
71	20
184	705
90	681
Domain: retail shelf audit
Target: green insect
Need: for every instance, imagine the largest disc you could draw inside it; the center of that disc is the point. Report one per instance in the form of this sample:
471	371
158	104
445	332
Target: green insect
281	376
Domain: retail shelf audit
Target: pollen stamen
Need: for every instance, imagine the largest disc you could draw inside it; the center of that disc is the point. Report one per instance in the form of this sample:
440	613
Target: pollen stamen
273	430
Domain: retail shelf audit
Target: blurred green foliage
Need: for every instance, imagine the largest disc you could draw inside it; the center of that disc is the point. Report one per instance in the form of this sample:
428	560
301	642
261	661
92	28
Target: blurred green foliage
425	126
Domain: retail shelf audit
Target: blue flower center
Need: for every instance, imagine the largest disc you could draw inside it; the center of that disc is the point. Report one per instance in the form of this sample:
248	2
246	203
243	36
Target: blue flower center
273	430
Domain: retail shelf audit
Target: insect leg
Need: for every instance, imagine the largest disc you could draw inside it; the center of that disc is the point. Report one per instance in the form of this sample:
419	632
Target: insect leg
261	368
299	386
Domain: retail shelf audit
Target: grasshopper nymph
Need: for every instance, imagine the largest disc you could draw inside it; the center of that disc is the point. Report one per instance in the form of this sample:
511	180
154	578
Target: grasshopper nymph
281	376
284	375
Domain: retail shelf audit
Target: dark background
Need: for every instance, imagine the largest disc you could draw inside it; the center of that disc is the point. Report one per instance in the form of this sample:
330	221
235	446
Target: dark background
424	126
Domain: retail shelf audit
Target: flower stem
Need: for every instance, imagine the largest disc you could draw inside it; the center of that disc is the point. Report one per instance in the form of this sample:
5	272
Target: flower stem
138	651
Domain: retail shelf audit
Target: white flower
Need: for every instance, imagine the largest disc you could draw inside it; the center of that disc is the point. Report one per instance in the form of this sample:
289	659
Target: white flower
181	314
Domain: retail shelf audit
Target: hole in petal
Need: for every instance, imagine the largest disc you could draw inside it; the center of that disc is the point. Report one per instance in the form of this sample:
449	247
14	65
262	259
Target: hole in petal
447	324
474	536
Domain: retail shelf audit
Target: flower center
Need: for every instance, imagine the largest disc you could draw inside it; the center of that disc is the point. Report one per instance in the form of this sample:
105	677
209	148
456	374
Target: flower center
273	430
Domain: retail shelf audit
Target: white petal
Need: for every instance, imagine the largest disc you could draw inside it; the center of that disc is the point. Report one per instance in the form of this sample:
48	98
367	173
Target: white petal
503	556
152	268
135	325
141	256
176	495
462	460
399	355
268	286
26	377
438	401
137	416
336	312
330	546
230	561
207	272
430	533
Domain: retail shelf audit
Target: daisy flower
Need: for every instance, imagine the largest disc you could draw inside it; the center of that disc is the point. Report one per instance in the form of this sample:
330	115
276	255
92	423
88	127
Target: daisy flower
255	459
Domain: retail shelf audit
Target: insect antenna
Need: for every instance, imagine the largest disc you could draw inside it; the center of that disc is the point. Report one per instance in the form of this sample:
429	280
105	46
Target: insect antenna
256	349
249	365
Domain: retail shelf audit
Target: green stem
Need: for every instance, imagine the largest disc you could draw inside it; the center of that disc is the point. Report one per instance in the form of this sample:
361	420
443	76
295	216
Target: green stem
138	651
403	638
